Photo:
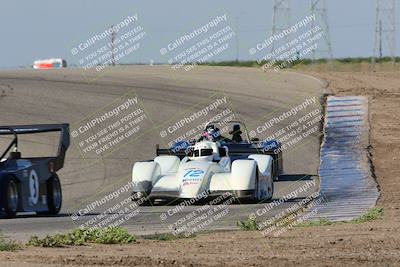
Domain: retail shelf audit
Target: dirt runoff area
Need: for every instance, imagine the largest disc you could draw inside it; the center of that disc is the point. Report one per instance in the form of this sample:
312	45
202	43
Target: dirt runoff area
375	243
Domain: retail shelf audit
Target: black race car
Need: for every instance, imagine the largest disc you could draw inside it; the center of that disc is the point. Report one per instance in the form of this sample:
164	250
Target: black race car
31	184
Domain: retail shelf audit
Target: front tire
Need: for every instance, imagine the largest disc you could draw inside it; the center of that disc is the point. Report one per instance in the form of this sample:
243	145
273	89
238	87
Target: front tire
142	199
257	193
270	188
261	195
11	197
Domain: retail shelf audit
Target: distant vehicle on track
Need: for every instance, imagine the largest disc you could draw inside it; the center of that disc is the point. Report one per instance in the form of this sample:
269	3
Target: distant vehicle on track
52	63
243	167
31	184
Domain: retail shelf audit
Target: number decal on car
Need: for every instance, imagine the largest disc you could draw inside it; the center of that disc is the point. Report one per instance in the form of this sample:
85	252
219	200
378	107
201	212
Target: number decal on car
33	188
193	173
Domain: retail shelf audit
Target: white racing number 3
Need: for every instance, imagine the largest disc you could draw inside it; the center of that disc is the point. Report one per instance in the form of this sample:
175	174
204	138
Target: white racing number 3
33	188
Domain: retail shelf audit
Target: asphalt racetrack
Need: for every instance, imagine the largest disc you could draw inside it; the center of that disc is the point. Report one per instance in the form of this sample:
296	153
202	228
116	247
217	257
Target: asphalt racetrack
70	95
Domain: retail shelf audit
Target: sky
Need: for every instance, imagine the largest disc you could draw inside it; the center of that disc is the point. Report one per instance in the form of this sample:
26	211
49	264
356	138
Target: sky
40	29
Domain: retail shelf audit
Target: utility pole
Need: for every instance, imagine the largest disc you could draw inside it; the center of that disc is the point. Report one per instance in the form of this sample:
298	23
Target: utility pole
385	29
113	36
380	39
237	18
280	19
237	38
324	47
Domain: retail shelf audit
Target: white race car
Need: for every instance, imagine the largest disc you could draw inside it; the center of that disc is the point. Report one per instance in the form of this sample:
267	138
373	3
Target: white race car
215	165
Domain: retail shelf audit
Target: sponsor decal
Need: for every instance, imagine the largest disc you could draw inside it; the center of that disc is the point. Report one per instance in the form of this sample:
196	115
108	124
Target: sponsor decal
192	176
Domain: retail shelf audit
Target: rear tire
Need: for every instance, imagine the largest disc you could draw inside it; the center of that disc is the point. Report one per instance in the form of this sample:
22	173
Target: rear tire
54	196
11	197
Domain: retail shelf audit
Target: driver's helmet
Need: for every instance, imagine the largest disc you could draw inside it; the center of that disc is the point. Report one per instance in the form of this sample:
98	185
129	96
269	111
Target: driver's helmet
202	151
211	133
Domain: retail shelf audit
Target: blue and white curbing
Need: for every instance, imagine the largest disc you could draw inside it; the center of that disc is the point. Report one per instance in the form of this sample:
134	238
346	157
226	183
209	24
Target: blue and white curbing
345	172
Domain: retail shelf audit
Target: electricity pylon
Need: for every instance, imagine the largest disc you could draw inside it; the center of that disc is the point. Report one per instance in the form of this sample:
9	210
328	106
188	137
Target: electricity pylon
324	47
385	29
280	19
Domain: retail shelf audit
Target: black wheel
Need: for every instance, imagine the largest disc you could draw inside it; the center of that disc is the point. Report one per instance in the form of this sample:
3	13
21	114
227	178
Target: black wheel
271	189
147	202
256	197
10	197
275	167
54	196
141	199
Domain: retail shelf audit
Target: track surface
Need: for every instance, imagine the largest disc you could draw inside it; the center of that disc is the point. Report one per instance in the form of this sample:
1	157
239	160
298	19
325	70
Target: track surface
55	96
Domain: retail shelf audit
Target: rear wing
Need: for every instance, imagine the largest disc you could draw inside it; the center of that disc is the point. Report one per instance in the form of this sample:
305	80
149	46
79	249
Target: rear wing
165	151
40	128
232	151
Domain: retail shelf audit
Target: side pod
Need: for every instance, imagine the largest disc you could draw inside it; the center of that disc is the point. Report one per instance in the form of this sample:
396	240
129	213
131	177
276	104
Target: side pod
144	175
